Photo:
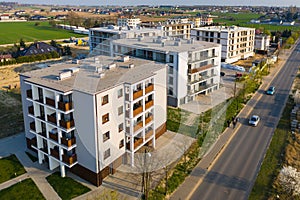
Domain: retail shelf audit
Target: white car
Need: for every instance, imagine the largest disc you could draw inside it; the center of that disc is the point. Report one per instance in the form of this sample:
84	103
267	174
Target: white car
254	119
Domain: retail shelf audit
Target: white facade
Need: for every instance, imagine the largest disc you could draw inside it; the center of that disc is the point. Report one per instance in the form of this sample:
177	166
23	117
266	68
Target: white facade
237	42
100	38
130	22
193	66
262	42
91	117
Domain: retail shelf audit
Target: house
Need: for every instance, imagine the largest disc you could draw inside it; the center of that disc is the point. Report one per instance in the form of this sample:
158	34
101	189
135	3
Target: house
38	17
39	48
5	57
4	17
92	117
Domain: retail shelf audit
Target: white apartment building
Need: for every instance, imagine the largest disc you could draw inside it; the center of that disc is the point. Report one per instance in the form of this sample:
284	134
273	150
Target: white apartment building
91	118
201	21
237	42
262	42
193	66
129	22
100	38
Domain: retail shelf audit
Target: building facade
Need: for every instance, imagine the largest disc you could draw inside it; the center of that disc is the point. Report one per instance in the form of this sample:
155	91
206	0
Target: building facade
193	66
262	42
91	118
237	42
129	22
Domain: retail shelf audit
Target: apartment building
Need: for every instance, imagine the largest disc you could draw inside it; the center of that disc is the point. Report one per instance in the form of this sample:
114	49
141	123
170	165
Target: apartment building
193	66
176	27
237	42
100	38
132	23
262	42
201	21
90	118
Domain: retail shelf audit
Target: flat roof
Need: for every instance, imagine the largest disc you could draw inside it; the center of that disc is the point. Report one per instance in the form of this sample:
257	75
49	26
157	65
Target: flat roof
116	30
223	28
86	78
169	44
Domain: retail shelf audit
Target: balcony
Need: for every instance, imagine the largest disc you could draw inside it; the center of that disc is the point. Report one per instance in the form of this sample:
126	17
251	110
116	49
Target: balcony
68	142
137	111
138	126
32	126
149	104
29	94
53	136
54	153
67	124
195	70
50	102
43	134
44	149
149	88
52	118
70	159
65	106
137	143
137	94
148	119
31	110
149	134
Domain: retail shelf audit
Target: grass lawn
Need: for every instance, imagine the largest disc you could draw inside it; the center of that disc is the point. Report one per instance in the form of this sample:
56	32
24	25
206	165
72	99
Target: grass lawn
8	167
22	190
12	32
66	187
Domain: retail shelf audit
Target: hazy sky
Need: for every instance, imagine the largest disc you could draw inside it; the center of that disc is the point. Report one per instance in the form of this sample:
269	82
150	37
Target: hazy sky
164	2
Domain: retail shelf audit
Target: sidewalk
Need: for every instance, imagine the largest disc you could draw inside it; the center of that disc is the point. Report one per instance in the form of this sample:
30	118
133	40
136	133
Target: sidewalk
192	181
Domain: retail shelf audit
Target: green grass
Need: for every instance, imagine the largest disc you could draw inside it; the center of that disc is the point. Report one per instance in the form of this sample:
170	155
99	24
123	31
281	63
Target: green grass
12	32
10	167
66	187
271	166
25	189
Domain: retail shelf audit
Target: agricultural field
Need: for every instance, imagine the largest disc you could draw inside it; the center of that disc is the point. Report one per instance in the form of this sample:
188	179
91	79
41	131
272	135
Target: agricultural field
12	32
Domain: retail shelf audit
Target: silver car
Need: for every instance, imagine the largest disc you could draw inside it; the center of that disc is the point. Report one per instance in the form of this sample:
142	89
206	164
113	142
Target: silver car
254	119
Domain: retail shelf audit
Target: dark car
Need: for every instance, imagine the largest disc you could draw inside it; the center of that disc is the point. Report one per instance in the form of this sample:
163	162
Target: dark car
271	90
222	73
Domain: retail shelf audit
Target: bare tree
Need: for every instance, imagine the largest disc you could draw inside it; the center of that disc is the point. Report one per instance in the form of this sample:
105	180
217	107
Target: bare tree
289	179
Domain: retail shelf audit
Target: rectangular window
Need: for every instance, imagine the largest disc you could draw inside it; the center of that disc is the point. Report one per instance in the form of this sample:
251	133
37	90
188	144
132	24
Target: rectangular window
104	100
106	154
171	69
170	80
120	93
105	118
121	127
121	144
106	136
120	110
171	58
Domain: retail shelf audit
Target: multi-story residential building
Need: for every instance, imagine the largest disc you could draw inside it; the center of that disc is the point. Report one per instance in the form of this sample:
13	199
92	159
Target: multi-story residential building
262	42
201	21
100	38
89	118
237	42
193	66
129	22
176	27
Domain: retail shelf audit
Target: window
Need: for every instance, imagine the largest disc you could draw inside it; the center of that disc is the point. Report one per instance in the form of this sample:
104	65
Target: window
121	144
170	80
105	118
120	93
171	69
106	136
171	58
104	100
120	110
106	154
121	127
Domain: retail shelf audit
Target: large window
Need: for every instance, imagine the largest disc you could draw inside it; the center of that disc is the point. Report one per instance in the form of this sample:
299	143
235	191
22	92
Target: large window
120	110
120	93
121	144
121	127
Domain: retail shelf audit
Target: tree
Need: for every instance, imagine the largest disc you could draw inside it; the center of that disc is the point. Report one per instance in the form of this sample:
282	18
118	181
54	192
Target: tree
22	43
289	179
74	19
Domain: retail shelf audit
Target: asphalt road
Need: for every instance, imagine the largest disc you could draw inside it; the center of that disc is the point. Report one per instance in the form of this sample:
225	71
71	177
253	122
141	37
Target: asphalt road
233	174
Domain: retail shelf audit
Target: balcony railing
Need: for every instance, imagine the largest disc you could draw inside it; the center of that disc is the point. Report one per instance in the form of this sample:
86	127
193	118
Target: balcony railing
148	134
53	136
29	94
137	111
31	110
65	106
54	153
149	104
195	70
149	88
70	159
137	94
68	142
138	126
148	119
51	119
32	126
67	124
50	102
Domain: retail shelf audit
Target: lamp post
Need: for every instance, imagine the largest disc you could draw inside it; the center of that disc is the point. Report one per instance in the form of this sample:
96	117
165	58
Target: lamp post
146	175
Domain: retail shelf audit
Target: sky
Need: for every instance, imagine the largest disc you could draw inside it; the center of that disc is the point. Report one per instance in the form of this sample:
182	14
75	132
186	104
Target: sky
276	3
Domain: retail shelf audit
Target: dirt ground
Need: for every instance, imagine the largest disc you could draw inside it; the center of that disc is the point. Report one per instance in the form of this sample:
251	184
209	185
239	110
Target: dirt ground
247	63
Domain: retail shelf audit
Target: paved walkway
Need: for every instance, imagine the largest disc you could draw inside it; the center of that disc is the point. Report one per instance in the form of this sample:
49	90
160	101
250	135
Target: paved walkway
203	166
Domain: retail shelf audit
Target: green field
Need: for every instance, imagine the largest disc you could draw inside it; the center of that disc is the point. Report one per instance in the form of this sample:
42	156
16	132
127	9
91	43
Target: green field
12	32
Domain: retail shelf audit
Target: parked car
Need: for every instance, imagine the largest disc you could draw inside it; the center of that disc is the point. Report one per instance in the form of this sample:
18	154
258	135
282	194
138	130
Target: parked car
254	119
271	90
